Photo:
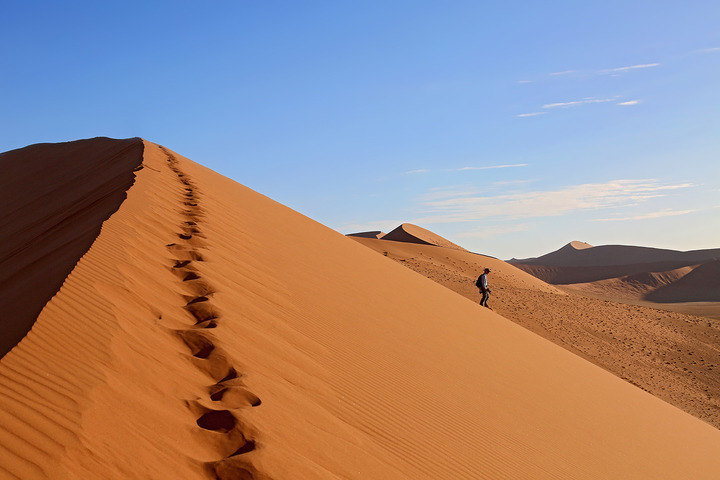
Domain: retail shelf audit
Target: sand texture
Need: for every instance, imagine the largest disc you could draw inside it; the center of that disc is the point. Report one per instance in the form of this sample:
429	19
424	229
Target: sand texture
210	332
671	355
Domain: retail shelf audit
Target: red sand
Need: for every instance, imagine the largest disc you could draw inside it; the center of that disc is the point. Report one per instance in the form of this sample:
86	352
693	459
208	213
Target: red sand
210	332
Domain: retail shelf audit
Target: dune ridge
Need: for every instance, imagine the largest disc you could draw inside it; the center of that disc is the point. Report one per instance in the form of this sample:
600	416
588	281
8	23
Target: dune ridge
210	332
701	284
74	187
409	233
370	234
579	254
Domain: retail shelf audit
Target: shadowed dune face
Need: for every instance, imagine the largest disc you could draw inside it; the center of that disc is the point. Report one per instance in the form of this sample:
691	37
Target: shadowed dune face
702	284
409	233
370	234
558	275
54	200
579	254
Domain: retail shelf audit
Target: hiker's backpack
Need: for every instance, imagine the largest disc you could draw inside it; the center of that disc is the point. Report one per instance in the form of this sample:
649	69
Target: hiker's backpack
478	282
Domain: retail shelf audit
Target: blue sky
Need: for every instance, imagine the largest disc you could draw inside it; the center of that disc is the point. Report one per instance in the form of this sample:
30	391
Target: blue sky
509	127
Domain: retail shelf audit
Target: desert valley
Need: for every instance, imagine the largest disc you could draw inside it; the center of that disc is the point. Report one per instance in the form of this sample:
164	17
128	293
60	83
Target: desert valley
159	320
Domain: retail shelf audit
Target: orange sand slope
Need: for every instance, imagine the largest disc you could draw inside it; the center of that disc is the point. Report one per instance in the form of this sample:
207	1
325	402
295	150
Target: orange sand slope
670	355
407	232
461	267
54	199
210	332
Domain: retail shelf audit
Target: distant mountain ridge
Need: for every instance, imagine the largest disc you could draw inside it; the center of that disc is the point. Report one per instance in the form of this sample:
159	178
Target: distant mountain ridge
655	274
580	254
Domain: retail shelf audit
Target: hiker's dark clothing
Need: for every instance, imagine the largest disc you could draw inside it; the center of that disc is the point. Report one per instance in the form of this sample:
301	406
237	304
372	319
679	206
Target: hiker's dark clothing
485	296
483	286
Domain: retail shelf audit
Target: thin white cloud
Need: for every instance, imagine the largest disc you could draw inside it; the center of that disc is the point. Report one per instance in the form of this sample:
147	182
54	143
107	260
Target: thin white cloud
524	81
465	169
564	72
578	102
532	114
512	182
629	102
708	50
630	67
660	214
448	207
490	167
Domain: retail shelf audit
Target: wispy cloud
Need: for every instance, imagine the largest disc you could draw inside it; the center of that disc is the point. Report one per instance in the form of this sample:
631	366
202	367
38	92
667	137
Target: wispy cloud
628	68
468	168
448	207
512	182
532	114
708	50
660	214
489	167
524	81
629	102
578	102
564	72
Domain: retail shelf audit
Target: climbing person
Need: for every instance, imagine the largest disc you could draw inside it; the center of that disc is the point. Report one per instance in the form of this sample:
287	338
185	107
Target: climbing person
482	284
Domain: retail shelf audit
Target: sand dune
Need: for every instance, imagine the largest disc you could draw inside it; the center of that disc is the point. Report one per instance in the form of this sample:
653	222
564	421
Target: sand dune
663	352
193	340
702	284
579	254
54	198
635	286
407	232
371	234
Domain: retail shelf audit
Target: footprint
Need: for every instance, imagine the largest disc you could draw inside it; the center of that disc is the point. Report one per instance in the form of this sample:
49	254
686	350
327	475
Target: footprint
235	467
207	324
234	396
200	345
202	312
217	421
194	300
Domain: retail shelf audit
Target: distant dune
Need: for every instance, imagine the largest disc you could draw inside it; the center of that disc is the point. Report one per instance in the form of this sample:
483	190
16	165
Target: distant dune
410	233
701	284
372	234
208	332
579	254
635	286
631	272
